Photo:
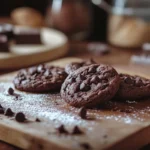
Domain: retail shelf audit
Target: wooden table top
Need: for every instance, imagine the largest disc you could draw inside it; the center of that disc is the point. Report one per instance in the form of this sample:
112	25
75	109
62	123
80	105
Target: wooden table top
117	56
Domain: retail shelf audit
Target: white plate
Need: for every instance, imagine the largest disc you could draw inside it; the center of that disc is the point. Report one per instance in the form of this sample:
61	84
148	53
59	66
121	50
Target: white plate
55	45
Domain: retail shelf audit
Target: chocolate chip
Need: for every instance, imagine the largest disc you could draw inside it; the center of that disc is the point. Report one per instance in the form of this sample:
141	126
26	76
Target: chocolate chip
85	146
9	112
103	86
83	112
105	136
94	79
1	110
1	106
38	120
76	130
20	117
62	130
10	91
138	82
84	87
128	80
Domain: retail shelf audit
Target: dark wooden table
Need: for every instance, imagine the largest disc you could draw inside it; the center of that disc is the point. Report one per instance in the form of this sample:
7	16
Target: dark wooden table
116	57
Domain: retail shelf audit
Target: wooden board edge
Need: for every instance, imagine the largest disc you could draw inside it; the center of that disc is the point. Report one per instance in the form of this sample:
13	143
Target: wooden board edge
134	141
25	140
27	60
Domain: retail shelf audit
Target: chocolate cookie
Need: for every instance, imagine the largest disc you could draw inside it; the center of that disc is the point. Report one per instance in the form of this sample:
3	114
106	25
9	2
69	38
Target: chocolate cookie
133	87
40	78
76	65
90	85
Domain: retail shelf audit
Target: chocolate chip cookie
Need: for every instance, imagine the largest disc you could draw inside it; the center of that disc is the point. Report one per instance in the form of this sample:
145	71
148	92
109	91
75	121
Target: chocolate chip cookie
76	65
133	87
90	85
40	78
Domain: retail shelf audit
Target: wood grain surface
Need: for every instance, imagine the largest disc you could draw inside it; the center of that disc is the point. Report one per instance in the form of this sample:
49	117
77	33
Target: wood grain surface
105	127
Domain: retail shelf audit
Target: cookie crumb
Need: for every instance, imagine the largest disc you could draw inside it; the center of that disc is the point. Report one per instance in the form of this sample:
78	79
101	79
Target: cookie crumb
62	130
20	117
11	91
76	130
9	112
83	113
38	120
85	146
1	110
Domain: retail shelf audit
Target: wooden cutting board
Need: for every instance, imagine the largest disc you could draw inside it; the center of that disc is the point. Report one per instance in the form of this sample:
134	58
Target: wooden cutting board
105	128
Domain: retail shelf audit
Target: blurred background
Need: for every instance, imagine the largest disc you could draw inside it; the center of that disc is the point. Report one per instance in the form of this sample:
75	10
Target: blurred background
99	16
118	27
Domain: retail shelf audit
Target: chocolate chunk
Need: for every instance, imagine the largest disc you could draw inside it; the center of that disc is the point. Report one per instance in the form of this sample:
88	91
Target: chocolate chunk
38	120
62	130
9	112
85	146
11	91
83	112
1	110
20	117
76	130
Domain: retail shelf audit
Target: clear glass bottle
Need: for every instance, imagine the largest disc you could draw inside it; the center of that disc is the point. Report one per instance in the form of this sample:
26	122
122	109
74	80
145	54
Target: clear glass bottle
73	17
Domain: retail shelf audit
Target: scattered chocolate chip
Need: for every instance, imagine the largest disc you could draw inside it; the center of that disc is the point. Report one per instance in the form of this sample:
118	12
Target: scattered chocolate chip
9	112
10	91
20	117
1	110
62	130
83	112
38	120
105	136
76	130
86	146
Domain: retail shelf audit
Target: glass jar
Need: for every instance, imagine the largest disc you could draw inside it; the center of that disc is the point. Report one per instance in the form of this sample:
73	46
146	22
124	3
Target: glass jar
129	22
73	17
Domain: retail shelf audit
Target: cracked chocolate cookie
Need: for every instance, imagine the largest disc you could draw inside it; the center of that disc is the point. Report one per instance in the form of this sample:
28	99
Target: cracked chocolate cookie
90	85
76	65
40	78
133	87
